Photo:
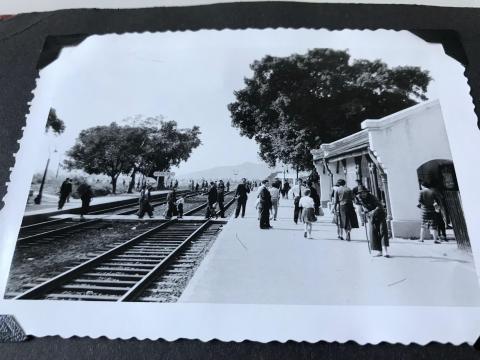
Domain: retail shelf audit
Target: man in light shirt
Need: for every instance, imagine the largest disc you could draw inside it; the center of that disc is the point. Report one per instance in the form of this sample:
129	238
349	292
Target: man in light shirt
275	194
297	192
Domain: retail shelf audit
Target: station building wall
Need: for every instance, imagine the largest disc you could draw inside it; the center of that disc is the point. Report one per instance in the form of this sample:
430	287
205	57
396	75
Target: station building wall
402	142
350	176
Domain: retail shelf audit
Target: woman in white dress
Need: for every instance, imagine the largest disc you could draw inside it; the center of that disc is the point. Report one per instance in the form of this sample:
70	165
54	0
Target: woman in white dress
308	213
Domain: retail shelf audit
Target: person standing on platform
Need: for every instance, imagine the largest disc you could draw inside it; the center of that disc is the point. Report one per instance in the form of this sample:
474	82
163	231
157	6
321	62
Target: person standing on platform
65	190
346	215
264	205
315	197
144	202
308	213
376	220
180	203
70	187
85	193
439	220
358	207
275	194
241	195
221	198
297	192
286	189
171	209
212	199
197	186
331	206
228	186
428	197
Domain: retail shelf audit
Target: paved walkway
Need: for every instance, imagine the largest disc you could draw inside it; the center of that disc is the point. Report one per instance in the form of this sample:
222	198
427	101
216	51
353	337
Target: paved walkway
280	266
50	202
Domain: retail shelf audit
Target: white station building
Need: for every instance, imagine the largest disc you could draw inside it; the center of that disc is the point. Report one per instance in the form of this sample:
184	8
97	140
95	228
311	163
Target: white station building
389	156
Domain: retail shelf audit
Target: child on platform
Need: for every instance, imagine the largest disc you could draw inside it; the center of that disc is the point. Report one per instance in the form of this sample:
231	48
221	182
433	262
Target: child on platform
308	212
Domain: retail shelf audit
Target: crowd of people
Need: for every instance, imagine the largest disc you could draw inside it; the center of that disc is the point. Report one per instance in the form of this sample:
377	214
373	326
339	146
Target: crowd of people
214	191
204	185
306	208
84	192
344	201
305	199
344	204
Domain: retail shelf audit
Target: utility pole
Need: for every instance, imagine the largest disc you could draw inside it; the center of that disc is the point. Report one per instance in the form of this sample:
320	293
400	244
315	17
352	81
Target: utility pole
38	198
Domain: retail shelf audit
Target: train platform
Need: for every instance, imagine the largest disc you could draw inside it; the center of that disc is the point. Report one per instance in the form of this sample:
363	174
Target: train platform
280	266
50	202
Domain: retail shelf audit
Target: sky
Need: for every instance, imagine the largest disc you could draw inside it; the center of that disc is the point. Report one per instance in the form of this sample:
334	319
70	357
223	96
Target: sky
190	77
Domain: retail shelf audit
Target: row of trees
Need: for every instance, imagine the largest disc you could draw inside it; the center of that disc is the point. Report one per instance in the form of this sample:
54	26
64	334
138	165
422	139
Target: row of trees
142	145
293	104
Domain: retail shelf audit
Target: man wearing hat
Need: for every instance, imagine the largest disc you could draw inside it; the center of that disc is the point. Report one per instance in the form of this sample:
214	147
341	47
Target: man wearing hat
377	218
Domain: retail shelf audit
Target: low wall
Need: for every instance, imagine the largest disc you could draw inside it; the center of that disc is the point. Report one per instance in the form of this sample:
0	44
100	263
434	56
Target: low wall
408	229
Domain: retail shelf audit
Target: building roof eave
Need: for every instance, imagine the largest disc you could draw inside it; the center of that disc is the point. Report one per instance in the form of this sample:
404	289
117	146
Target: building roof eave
343	145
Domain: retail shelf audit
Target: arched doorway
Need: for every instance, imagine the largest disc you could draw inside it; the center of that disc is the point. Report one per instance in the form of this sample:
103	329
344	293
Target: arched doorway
440	174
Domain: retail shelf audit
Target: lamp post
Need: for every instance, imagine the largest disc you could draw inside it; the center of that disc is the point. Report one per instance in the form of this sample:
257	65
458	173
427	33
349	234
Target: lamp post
38	198
58	168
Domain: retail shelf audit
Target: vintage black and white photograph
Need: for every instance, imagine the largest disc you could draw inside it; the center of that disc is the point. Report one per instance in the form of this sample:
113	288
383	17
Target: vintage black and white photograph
276	166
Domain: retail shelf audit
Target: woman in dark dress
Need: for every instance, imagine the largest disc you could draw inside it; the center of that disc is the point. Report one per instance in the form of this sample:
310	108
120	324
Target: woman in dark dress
264	205
85	193
171	209
346	215
377	220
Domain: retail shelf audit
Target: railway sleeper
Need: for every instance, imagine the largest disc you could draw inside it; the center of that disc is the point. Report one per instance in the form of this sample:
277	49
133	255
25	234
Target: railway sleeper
143	256
121	270
101	276
126	264
104	282
81	297
159	250
109	289
135	260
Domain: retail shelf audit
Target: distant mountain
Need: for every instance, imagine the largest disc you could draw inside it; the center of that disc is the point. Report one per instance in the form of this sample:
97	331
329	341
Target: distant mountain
248	170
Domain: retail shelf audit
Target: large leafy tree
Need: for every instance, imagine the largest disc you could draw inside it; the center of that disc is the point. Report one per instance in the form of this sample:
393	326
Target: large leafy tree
54	123
101	150
160	144
143	146
293	104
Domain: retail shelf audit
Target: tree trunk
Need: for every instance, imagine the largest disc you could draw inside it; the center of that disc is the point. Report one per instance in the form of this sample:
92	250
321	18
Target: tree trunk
132	181
161	183
114	184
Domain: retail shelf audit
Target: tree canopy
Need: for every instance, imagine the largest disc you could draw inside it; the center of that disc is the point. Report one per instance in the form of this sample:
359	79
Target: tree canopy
293	104
54	123
145	147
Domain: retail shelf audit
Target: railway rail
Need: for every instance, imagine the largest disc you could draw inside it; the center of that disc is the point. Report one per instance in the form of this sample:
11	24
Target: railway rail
129	206
57	228
148	267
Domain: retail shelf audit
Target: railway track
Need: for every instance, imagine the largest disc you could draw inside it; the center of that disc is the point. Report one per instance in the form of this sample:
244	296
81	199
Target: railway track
58	228
153	266
52	229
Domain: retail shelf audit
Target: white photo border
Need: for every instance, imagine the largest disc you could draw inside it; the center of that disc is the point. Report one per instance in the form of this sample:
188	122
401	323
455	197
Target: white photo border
263	323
